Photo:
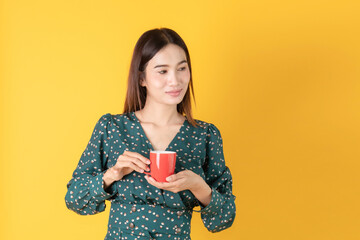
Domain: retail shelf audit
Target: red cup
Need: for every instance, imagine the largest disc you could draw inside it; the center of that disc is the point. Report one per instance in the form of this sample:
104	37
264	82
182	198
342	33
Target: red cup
162	165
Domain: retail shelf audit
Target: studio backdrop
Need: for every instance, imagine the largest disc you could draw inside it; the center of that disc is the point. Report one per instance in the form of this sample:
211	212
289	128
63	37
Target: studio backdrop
280	79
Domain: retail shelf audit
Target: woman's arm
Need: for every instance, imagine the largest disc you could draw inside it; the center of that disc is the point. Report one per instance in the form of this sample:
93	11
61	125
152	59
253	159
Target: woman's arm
85	191
220	212
202	193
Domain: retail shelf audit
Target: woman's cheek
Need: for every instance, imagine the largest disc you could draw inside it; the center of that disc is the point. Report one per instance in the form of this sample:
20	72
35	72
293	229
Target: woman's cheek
155	82
187	76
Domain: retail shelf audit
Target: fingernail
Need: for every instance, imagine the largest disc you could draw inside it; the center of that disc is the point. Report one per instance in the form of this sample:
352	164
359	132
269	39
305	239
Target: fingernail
148	162
168	178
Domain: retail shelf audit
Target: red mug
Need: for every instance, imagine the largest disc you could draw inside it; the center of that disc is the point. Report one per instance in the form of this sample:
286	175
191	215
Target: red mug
162	165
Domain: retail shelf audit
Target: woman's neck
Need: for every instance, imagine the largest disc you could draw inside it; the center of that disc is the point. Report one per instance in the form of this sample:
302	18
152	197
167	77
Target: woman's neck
161	115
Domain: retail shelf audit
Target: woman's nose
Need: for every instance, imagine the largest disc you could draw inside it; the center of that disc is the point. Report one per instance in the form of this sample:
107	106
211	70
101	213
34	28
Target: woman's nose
174	79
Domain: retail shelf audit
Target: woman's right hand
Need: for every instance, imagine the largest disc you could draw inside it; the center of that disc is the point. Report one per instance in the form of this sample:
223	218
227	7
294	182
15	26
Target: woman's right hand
126	163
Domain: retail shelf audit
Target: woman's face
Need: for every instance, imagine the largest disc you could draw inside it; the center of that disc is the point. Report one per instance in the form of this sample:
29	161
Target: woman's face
167	76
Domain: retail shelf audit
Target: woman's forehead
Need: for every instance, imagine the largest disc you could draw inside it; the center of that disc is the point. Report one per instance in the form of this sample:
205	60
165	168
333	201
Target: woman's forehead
170	55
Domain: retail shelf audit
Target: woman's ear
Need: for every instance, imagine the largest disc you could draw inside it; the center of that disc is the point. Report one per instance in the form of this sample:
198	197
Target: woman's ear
142	82
142	79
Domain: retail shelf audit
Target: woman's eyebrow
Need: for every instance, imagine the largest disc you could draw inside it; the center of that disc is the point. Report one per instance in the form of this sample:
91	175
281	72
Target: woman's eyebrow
164	65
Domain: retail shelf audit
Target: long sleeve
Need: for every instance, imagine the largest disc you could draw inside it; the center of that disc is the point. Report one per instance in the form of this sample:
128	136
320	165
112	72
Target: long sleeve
220	213
85	191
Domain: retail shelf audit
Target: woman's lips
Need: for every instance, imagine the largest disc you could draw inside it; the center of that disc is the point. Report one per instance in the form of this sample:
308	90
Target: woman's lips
174	93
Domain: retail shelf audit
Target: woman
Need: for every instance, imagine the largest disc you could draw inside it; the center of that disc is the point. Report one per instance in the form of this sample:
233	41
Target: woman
157	116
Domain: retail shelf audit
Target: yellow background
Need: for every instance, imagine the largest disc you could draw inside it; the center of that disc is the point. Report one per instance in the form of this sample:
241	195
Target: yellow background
280	79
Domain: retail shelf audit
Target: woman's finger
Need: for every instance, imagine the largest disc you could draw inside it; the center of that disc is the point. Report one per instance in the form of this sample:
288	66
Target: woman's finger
137	155
162	185
131	165
177	176
127	158
172	178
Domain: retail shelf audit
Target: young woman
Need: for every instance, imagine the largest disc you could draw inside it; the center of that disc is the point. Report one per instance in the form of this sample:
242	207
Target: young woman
157	116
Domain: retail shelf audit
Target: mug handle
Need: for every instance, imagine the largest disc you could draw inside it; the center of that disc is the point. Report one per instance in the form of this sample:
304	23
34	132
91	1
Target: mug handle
149	172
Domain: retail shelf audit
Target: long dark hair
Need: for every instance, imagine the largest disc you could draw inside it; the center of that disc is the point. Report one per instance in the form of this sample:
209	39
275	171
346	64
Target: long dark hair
146	47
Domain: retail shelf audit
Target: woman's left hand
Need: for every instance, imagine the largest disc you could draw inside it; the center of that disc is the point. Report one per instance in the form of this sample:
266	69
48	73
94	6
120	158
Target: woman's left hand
185	180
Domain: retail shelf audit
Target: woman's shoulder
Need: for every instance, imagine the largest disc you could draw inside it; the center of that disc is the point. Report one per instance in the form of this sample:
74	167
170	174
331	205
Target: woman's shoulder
209	130
117	116
116	119
207	126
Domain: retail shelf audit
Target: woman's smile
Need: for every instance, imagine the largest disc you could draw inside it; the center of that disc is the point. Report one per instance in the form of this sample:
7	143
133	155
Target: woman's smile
174	93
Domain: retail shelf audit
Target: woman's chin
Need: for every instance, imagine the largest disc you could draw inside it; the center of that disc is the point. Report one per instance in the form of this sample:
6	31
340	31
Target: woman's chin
173	102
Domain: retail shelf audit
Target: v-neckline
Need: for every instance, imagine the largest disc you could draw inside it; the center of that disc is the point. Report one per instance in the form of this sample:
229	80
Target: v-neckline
147	139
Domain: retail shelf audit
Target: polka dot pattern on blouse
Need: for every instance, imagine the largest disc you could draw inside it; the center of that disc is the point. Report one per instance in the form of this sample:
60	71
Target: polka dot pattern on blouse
139	210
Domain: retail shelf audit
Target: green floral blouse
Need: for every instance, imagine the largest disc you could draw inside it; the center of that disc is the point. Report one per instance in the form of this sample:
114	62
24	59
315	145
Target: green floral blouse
140	210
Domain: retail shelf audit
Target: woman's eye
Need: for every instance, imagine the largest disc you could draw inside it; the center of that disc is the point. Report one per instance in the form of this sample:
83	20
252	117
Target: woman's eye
164	71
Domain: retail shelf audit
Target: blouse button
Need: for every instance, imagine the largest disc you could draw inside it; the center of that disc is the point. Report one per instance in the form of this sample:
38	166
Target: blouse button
179	213
131	225
177	230
133	209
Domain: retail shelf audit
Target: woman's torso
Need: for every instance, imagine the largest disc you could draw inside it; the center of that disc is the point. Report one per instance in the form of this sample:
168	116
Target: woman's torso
126	133
133	191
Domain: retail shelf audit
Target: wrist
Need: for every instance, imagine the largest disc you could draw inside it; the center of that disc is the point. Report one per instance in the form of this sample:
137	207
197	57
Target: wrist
203	193
108	178
201	188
